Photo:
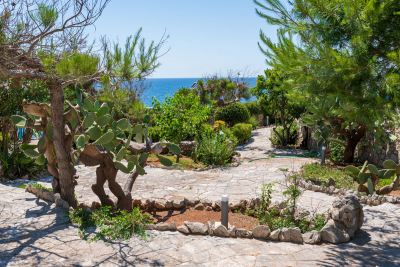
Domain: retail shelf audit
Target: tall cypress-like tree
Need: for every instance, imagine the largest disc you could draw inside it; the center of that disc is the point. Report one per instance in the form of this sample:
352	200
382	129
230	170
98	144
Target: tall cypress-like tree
343	57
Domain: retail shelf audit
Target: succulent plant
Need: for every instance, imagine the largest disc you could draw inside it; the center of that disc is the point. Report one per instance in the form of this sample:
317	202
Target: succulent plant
98	139
374	175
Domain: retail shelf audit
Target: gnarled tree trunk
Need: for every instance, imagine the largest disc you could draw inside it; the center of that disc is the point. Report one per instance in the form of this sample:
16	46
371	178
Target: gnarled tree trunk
63	157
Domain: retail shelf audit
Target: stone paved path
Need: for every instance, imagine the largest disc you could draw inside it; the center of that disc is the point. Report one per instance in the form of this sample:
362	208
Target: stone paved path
32	232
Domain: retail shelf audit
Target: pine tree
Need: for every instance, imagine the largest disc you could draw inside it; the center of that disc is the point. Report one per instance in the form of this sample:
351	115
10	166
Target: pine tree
343	57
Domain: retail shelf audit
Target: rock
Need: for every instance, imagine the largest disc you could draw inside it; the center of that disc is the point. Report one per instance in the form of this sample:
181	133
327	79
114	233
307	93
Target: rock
357	194
71	209
217	205
172	226
232	231
308	186
199	206
313	237
158	204
58	200
88	210
39	193
275	235
48	195
95	205
183	229
65	205
331	182
136	203
336	191
28	188
162	226
148	204
150	227
191	202
315	188
261	232
279	205
178	204
235	164
363	199
197	228
335	232
25	177
221	231
208	208
375	202
331	189
210	229
291	235
243	233
391	199
348	211
242	204
168	205
206	202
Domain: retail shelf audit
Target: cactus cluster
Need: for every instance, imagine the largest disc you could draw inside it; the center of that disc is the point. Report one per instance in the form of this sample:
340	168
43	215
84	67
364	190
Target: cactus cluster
374	175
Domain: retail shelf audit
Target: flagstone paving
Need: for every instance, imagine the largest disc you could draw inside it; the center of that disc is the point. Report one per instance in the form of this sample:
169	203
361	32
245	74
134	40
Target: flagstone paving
33	233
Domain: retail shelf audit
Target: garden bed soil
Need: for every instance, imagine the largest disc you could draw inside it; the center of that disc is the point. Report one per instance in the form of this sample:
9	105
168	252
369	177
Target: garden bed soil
179	216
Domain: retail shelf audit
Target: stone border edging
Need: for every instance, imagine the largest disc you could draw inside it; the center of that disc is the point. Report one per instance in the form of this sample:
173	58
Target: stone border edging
373	200
343	220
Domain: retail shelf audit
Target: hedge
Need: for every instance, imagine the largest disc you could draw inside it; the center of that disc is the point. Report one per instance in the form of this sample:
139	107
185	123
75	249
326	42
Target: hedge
242	131
232	114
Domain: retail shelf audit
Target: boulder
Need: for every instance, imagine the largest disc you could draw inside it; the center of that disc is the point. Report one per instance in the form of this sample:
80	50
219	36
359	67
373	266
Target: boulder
217	205
232	231
208	208
172	226
240	232
95	205
210	229
168	205
335	232
206	202
65	205
150	227
59	201
348	211
313	237
183	229
197	228
261	232
199	206
275	235
48	195
291	235
160	205
191	202
221	231
162	226
136	203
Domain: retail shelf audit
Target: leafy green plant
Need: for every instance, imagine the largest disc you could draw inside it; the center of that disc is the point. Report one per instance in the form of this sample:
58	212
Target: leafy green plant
265	200
215	149
253	122
112	224
232	114
253	107
242	132
292	135
17	165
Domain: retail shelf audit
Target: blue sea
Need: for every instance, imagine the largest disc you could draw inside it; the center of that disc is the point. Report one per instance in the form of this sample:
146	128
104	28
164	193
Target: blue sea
161	87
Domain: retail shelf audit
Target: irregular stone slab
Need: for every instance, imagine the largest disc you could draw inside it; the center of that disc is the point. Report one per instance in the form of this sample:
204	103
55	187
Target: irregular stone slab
172	226
48	195
313	237
240	232
348	211
150	227
221	231
183	229
159	205
291	235
162	226
178	205
275	235
335	232
232	231
191	202
261	232
197	228
199	206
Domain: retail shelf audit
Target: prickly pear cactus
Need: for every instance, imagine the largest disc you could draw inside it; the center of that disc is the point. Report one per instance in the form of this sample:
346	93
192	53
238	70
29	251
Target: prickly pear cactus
97	139
372	177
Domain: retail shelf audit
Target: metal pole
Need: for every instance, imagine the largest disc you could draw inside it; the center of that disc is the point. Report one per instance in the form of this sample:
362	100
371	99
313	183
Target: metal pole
323	149
267	120
224	210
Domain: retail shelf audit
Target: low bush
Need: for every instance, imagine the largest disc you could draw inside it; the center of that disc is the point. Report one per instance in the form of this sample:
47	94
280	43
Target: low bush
17	164
292	135
253	122
205	130
215	149
232	114
253	107
155	133
242	131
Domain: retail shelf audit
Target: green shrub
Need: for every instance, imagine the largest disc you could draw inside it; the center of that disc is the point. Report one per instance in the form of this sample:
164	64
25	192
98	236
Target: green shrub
253	107
155	133
242	131
17	164
253	122
232	114
292	135
205	130
215	149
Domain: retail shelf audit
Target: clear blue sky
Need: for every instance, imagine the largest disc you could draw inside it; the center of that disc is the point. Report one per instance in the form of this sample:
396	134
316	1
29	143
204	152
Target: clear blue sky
205	36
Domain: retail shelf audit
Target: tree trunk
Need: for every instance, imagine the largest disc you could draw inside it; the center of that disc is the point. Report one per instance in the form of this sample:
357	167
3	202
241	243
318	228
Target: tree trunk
304	143
63	157
5	131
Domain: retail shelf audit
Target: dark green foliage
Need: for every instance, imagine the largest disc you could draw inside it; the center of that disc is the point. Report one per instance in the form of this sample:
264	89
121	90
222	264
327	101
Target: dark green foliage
253	122
253	107
36	185
17	165
232	114
112	224
265	200
216	149
155	134
292	135
242	131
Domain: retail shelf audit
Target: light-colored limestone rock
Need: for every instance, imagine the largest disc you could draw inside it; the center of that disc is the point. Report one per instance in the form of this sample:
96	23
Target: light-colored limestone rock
183	229
275	235
199	206
348	211
65	205
291	235
150	227
172	226
197	228
136	203
335	232
261	232
191	202
168	205
232	231
160	205
162	226
243	233
313	237
221	231
48	195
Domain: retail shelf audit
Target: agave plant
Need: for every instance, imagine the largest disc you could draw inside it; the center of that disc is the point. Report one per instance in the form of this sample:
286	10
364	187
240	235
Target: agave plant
99	140
374	175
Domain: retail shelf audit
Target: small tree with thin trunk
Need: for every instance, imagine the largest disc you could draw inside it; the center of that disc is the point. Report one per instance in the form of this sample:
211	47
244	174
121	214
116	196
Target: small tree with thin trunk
45	40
